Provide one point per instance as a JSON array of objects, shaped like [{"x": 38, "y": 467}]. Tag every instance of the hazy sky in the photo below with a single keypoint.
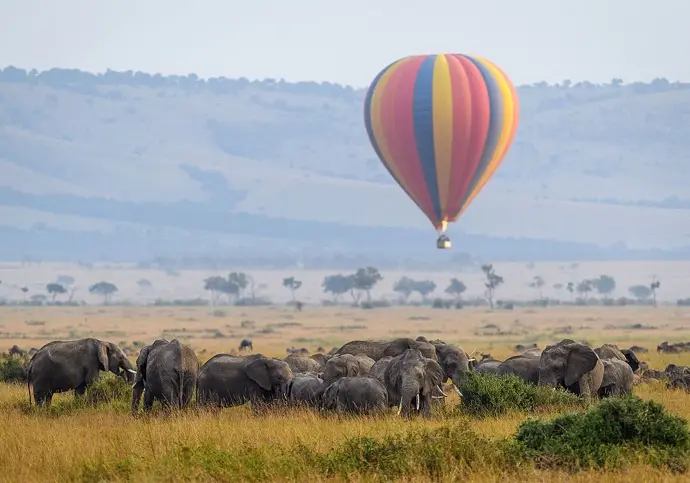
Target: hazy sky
[{"x": 349, "y": 41}]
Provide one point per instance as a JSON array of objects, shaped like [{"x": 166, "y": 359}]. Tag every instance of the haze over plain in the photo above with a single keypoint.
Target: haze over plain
[{"x": 134, "y": 166}]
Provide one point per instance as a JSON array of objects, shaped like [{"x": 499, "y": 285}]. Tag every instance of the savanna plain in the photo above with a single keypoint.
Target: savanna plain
[{"x": 97, "y": 439}]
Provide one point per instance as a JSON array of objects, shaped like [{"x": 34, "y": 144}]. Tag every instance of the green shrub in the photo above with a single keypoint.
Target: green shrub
[
  {"x": 493, "y": 395},
  {"x": 108, "y": 388},
  {"x": 611, "y": 432},
  {"x": 13, "y": 369}
]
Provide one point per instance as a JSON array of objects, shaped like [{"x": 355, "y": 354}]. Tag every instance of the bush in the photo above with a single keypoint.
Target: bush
[
  {"x": 606, "y": 434},
  {"x": 493, "y": 395},
  {"x": 108, "y": 388},
  {"x": 13, "y": 369}
]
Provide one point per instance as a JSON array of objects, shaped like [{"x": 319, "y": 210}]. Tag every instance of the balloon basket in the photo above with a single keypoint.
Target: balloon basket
[{"x": 443, "y": 242}]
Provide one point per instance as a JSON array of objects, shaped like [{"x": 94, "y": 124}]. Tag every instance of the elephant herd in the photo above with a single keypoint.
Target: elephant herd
[{"x": 360, "y": 377}]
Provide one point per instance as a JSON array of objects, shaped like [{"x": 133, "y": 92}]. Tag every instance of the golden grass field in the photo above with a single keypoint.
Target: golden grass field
[{"x": 107, "y": 443}]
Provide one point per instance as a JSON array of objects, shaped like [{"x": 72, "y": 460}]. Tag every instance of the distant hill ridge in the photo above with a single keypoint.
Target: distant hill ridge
[{"x": 133, "y": 152}]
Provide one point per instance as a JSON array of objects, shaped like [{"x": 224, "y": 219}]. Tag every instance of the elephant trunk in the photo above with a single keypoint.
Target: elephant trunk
[
  {"x": 409, "y": 393},
  {"x": 457, "y": 380}
]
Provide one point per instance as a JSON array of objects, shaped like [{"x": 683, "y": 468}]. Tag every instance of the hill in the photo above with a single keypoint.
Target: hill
[{"x": 129, "y": 165}]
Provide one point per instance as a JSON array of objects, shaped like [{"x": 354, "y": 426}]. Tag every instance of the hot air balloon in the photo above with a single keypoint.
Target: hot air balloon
[{"x": 441, "y": 125}]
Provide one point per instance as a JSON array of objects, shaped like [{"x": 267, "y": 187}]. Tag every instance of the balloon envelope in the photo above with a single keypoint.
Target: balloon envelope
[{"x": 441, "y": 125}]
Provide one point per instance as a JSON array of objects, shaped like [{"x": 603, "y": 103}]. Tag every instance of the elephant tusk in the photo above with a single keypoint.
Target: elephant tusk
[
  {"x": 457, "y": 390},
  {"x": 417, "y": 401},
  {"x": 132, "y": 371},
  {"x": 440, "y": 389},
  {"x": 472, "y": 360},
  {"x": 437, "y": 397},
  {"x": 400, "y": 406}
]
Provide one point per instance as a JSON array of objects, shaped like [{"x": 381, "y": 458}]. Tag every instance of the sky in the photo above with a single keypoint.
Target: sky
[{"x": 349, "y": 41}]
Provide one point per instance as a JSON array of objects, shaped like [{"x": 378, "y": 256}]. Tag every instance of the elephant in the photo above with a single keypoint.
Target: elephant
[
  {"x": 306, "y": 389},
  {"x": 345, "y": 365},
  {"x": 632, "y": 360},
  {"x": 226, "y": 380},
  {"x": 526, "y": 367},
  {"x": 379, "y": 368},
  {"x": 571, "y": 365},
  {"x": 618, "y": 378},
  {"x": 488, "y": 366},
  {"x": 454, "y": 361},
  {"x": 359, "y": 395},
  {"x": 166, "y": 371},
  {"x": 410, "y": 378},
  {"x": 320, "y": 358},
  {"x": 378, "y": 349},
  {"x": 61, "y": 366},
  {"x": 609, "y": 351},
  {"x": 302, "y": 364}
]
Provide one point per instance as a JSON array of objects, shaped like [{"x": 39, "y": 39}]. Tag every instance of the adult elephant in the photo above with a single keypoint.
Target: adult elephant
[
  {"x": 346, "y": 365},
  {"x": 454, "y": 361},
  {"x": 306, "y": 389},
  {"x": 526, "y": 367},
  {"x": 166, "y": 371},
  {"x": 359, "y": 395},
  {"x": 609, "y": 351},
  {"x": 226, "y": 380},
  {"x": 61, "y": 366},
  {"x": 320, "y": 359},
  {"x": 299, "y": 363},
  {"x": 572, "y": 365},
  {"x": 410, "y": 379},
  {"x": 378, "y": 349},
  {"x": 488, "y": 365},
  {"x": 618, "y": 378}
]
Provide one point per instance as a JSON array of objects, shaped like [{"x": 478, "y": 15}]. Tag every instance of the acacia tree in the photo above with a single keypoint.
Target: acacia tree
[
  {"x": 538, "y": 283},
  {"x": 405, "y": 286},
  {"x": 365, "y": 279},
  {"x": 456, "y": 288},
  {"x": 292, "y": 284},
  {"x": 640, "y": 292},
  {"x": 55, "y": 289},
  {"x": 493, "y": 280},
  {"x": 104, "y": 289},
  {"x": 337, "y": 285},
  {"x": 653, "y": 287}
]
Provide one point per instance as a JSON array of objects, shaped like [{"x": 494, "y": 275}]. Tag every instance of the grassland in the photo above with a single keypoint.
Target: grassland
[{"x": 104, "y": 443}]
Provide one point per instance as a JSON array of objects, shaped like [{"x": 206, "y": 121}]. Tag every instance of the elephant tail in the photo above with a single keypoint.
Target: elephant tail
[{"x": 28, "y": 383}]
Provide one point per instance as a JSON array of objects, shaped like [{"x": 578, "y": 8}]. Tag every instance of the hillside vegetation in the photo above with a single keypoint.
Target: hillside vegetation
[{"x": 171, "y": 159}]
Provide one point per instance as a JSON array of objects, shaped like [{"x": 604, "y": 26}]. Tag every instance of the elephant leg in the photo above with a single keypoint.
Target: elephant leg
[
  {"x": 425, "y": 406},
  {"x": 148, "y": 400},
  {"x": 79, "y": 391},
  {"x": 43, "y": 398}
]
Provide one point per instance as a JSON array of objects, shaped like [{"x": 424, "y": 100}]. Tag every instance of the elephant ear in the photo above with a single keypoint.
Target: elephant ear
[
  {"x": 609, "y": 378},
  {"x": 581, "y": 360},
  {"x": 632, "y": 359},
  {"x": 103, "y": 356},
  {"x": 258, "y": 372},
  {"x": 434, "y": 374}
]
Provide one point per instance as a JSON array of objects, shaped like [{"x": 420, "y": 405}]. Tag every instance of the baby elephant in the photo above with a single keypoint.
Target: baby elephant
[
  {"x": 359, "y": 395},
  {"x": 166, "y": 371}
]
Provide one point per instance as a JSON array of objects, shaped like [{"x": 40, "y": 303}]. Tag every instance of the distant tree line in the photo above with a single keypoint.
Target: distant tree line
[{"x": 355, "y": 288}]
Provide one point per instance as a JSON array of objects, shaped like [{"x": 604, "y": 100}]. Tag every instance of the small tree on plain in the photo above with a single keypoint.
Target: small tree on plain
[
  {"x": 584, "y": 288},
  {"x": 292, "y": 284},
  {"x": 640, "y": 292},
  {"x": 104, "y": 289},
  {"x": 605, "y": 285},
  {"x": 405, "y": 286},
  {"x": 366, "y": 278},
  {"x": 493, "y": 280},
  {"x": 55, "y": 289},
  {"x": 653, "y": 287},
  {"x": 456, "y": 288},
  {"x": 571, "y": 289},
  {"x": 337, "y": 285},
  {"x": 241, "y": 280},
  {"x": 538, "y": 283},
  {"x": 424, "y": 288}
]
